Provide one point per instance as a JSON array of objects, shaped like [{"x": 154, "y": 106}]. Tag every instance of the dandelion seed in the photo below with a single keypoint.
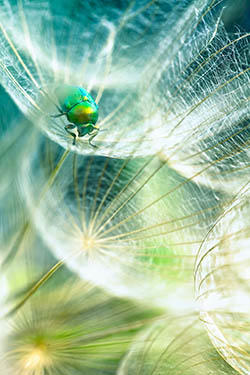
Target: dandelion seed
[{"x": 222, "y": 283}]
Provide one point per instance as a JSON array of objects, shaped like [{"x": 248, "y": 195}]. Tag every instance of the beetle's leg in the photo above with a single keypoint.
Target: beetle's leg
[
  {"x": 92, "y": 137},
  {"x": 73, "y": 131},
  {"x": 88, "y": 129}
]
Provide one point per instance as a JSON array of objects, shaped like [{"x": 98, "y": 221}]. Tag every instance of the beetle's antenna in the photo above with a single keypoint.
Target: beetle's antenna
[
  {"x": 59, "y": 115},
  {"x": 49, "y": 97}
]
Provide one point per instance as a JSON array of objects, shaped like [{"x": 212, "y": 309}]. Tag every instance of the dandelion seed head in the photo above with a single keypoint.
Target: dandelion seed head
[
  {"x": 70, "y": 328},
  {"x": 129, "y": 226},
  {"x": 172, "y": 88}
]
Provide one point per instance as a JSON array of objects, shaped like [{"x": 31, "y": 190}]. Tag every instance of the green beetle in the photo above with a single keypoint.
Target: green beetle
[{"x": 80, "y": 109}]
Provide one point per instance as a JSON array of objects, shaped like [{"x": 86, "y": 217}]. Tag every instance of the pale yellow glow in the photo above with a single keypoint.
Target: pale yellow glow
[
  {"x": 36, "y": 359},
  {"x": 89, "y": 243}
]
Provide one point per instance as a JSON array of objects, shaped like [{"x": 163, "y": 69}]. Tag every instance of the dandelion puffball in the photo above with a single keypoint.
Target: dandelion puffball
[{"x": 131, "y": 226}]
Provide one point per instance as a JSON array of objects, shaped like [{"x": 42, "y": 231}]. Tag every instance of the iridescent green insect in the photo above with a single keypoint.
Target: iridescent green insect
[{"x": 80, "y": 109}]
